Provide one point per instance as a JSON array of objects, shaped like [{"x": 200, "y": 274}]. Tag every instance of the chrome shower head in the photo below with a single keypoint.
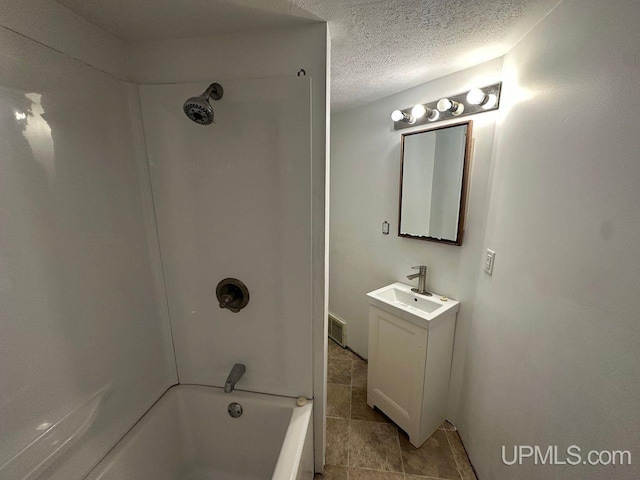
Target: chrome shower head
[{"x": 198, "y": 109}]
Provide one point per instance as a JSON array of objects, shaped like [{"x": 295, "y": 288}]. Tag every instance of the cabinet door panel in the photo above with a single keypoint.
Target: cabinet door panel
[{"x": 397, "y": 357}]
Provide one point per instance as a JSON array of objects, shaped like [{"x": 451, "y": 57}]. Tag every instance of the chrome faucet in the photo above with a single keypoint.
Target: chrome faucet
[
  {"x": 235, "y": 374},
  {"x": 422, "y": 280}
]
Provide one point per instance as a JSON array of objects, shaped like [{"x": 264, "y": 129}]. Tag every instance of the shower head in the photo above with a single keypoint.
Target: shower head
[{"x": 198, "y": 109}]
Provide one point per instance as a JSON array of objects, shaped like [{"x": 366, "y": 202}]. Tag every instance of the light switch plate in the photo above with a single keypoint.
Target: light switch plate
[{"x": 489, "y": 260}]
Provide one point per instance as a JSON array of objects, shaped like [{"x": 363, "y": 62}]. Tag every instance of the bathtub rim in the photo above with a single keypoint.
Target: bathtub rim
[{"x": 291, "y": 452}]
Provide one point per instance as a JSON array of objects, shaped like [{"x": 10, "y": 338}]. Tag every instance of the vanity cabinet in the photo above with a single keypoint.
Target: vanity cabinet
[{"x": 409, "y": 368}]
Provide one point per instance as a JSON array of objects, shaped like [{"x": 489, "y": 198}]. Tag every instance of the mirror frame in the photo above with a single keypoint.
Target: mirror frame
[{"x": 465, "y": 180}]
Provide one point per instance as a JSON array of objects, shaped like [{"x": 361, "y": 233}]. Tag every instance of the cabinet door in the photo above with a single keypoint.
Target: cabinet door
[{"x": 396, "y": 366}]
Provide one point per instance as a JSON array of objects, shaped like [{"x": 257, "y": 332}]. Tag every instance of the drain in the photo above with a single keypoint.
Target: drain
[{"x": 234, "y": 409}]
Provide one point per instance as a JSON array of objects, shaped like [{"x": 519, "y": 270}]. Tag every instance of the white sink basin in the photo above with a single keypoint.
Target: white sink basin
[{"x": 398, "y": 299}]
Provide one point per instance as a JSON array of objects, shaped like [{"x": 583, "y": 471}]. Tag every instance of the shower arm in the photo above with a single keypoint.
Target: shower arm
[{"x": 213, "y": 91}]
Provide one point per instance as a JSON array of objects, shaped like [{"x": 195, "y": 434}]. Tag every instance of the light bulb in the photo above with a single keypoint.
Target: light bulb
[
  {"x": 491, "y": 101},
  {"x": 418, "y": 111},
  {"x": 444, "y": 105},
  {"x": 397, "y": 115},
  {"x": 400, "y": 116},
  {"x": 433, "y": 116},
  {"x": 476, "y": 97}
]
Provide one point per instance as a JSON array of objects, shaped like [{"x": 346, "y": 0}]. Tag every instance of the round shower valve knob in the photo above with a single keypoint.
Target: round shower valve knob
[{"x": 232, "y": 294}]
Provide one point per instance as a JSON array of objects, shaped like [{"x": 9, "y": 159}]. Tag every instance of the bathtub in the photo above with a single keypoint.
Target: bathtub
[{"x": 189, "y": 435}]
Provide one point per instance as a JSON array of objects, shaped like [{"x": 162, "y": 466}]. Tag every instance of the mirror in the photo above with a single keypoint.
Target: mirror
[{"x": 433, "y": 177}]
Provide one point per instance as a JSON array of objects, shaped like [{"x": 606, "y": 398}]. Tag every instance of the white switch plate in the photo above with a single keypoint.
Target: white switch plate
[{"x": 489, "y": 259}]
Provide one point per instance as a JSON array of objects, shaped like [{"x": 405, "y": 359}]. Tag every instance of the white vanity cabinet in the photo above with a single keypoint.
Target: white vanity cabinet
[{"x": 410, "y": 353}]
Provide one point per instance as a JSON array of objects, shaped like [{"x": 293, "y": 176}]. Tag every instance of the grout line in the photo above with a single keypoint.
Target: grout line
[
  {"x": 351, "y": 391},
  {"x": 400, "y": 450},
  {"x": 350, "y": 408},
  {"x": 384, "y": 471},
  {"x": 349, "y": 424},
  {"x": 349, "y": 444},
  {"x": 455, "y": 459},
  {"x": 428, "y": 478},
  {"x": 397, "y": 473},
  {"x": 466, "y": 456}
]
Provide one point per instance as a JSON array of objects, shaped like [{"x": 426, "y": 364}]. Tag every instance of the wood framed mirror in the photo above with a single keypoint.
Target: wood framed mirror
[{"x": 434, "y": 176}]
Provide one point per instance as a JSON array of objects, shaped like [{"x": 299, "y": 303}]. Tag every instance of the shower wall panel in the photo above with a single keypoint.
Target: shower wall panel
[
  {"x": 85, "y": 345},
  {"x": 233, "y": 199}
]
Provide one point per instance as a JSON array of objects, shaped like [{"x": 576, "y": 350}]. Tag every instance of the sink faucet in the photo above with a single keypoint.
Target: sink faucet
[
  {"x": 422, "y": 280},
  {"x": 234, "y": 375}
]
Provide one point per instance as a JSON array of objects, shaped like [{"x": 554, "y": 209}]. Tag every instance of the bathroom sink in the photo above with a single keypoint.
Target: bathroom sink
[{"x": 398, "y": 299}]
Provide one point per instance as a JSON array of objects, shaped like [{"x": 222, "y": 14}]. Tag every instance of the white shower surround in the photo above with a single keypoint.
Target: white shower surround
[{"x": 233, "y": 199}]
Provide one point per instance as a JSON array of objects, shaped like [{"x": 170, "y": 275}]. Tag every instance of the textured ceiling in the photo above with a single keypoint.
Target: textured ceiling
[{"x": 378, "y": 47}]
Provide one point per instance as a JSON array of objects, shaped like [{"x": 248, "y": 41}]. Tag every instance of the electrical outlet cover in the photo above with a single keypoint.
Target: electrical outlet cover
[{"x": 489, "y": 260}]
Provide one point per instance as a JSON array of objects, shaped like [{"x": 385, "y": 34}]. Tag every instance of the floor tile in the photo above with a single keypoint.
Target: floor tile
[
  {"x": 374, "y": 446},
  {"x": 335, "y": 472},
  {"x": 433, "y": 459},
  {"x": 359, "y": 375},
  {"x": 337, "y": 452},
  {"x": 359, "y": 474},
  {"x": 338, "y": 400},
  {"x": 339, "y": 371},
  {"x": 419, "y": 477},
  {"x": 447, "y": 426},
  {"x": 460, "y": 455},
  {"x": 361, "y": 411},
  {"x": 337, "y": 352}
]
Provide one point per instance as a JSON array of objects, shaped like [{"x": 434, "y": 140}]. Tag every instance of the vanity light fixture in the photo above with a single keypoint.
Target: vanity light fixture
[
  {"x": 400, "y": 116},
  {"x": 471, "y": 102}
]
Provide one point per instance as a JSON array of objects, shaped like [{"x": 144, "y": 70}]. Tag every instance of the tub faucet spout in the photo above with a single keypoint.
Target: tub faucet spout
[{"x": 234, "y": 375}]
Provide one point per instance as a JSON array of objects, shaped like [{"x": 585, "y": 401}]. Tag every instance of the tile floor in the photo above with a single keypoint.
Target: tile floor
[{"x": 363, "y": 444}]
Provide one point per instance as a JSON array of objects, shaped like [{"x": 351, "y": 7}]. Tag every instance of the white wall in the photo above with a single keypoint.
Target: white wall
[
  {"x": 553, "y": 355},
  {"x": 364, "y": 192},
  {"x": 254, "y": 55},
  {"x": 84, "y": 337}
]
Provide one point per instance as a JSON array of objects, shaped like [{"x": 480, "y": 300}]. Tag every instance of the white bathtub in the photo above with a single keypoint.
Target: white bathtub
[{"x": 189, "y": 435}]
